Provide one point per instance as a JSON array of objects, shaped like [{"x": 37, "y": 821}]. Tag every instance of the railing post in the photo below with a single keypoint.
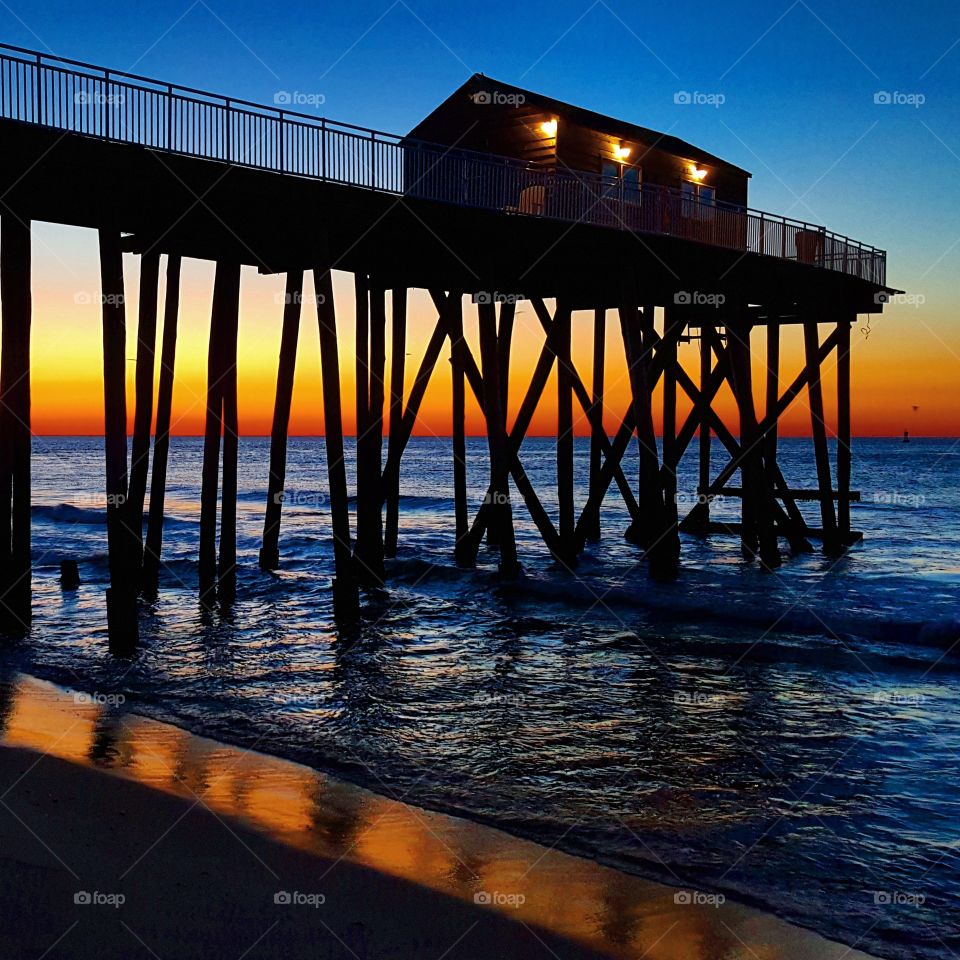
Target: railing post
[
  {"x": 38, "y": 108},
  {"x": 373, "y": 161},
  {"x": 106, "y": 93},
  {"x": 226, "y": 121},
  {"x": 281, "y": 150},
  {"x": 323, "y": 149},
  {"x": 169, "y": 116}
]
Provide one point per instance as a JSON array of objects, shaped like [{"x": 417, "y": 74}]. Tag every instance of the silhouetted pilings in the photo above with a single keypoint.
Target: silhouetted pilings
[
  {"x": 769, "y": 508},
  {"x": 15, "y": 295},
  {"x": 122, "y": 538},
  {"x": 286, "y": 368},
  {"x": 398, "y": 358},
  {"x": 143, "y": 409},
  {"x": 221, "y": 418},
  {"x": 346, "y": 598},
  {"x": 161, "y": 441}
]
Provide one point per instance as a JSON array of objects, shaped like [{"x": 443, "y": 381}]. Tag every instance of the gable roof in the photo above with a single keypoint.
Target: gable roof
[{"x": 581, "y": 116}]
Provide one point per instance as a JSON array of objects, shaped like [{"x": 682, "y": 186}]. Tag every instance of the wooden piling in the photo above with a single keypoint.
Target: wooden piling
[
  {"x": 121, "y": 595},
  {"x": 398, "y": 354},
  {"x": 227, "y": 560},
  {"x": 702, "y": 507},
  {"x": 505, "y": 325},
  {"x": 565, "y": 452},
  {"x": 592, "y": 530},
  {"x": 378, "y": 360},
  {"x": 811, "y": 339},
  {"x": 346, "y": 598},
  {"x": 143, "y": 394},
  {"x": 458, "y": 413},
  {"x": 757, "y": 531},
  {"x": 653, "y": 531},
  {"x": 669, "y": 429},
  {"x": 15, "y": 437},
  {"x": 500, "y": 513},
  {"x": 226, "y": 289},
  {"x": 368, "y": 547},
  {"x": 161, "y": 437},
  {"x": 844, "y": 451},
  {"x": 772, "y": 389},
  {"x": 286, "y": 368}
]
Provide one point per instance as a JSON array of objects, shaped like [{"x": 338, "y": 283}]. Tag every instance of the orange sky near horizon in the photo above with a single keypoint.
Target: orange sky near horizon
[{"x": 909, "y": 359}]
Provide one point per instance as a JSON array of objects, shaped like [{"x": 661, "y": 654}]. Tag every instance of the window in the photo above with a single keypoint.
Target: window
[
  {"x": 698, "y": 200},
  {"x": 617, "y": 178}
]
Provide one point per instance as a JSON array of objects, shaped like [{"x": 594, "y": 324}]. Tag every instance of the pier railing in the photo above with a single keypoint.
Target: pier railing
[{"x": 79, "y": 98}]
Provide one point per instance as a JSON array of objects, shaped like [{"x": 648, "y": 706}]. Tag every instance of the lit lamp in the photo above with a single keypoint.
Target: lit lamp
[
  {"x": 697, "y": 173},
  {"x": 621, "y": 153},
  {"x": 549, "y": 127}
]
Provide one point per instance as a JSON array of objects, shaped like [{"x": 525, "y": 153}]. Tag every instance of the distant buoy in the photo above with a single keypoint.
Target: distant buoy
[{"x": 906, "y": 436}]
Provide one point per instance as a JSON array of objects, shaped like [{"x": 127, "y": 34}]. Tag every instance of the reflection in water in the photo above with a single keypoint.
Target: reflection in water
[{"x": 621, "y": 915}]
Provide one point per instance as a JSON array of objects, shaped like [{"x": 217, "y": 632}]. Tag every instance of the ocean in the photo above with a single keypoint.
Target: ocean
[{"x": 790, "y": 739}]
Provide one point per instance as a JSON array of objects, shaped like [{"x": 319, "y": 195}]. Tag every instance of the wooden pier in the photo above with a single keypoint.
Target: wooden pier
[{"x": 163, "y": 173}]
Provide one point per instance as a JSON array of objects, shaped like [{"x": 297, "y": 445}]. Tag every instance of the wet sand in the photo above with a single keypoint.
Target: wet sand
[{"x": 124, "y": 837}]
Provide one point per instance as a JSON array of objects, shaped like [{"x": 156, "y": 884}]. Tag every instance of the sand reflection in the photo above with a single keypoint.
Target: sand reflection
[{"x": 613, "y": 912}]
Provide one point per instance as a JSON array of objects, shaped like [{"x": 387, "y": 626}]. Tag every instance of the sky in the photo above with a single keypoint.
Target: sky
[{"x": 793, "y": 97}]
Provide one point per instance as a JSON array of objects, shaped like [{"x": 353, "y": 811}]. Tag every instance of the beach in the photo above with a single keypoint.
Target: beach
[{"x": 121, "y": 836}]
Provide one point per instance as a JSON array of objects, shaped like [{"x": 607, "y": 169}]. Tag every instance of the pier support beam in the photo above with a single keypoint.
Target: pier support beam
[
  {"x": 811, "y": 339},
  {"x": 346, "y": 598},
  {"x": 121, "y": 594},
  {"x": 757, "y": 532},
  {"x": 500, "y": 513},
  {"x": 370, "y": 363},
  {"x": 161, "y": 439},
  {"x": 671, "y": 454},
  {"x": 221, "y": 417},
  {"x": 286, "y": 368},
  {"x": 701, "y": 517},
  {"x": 15, "y": 295},
  {"x": 563, "y": 320},
  {"x": 653, "y": 532},
  {"x": 507, "y": 313},
  {"x": 844, "y": 451},
  {"x": 398, "y": 355},
  {"x": 143, "y": 410},
  {"x": 592, "y": 527},
  {"x": 461, "y": 514},
  {"x": 227, "y": 560}
]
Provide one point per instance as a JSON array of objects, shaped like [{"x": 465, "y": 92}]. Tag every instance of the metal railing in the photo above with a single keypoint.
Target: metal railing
[{"x": 91, "y": 101}]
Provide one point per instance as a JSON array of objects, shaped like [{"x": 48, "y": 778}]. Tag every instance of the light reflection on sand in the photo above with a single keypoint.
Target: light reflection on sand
[{"x": 621, "y": 915}]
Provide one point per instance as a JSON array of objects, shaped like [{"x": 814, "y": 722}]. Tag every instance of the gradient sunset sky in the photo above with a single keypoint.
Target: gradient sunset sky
[{"x": 799, "y": 82}]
